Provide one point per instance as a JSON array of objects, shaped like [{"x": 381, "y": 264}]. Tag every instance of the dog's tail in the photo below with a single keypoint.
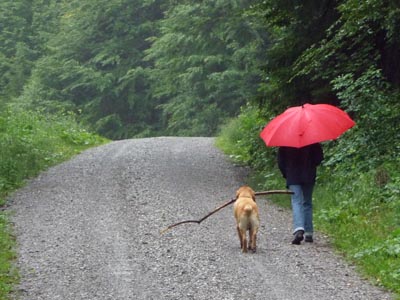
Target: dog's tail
[{"x": 248, "y": 209}]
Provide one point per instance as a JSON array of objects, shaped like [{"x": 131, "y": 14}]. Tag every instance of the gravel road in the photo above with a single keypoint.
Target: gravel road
[{"x": 90, "y": 229}]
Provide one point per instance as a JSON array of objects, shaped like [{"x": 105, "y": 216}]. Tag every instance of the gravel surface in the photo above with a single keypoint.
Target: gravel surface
[{"x": 90, "y": 229}]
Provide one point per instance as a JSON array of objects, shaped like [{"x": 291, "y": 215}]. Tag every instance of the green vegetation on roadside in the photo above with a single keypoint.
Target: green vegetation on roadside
[
  {"x": 358, "y": 207},
  {"x": 8, "y": 272},
  {"x": 362, "y": 217},
  {"x": 31, "y": 142}
]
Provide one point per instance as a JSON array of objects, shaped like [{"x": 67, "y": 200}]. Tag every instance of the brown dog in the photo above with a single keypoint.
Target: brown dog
[{"x": 247, "y": 218}]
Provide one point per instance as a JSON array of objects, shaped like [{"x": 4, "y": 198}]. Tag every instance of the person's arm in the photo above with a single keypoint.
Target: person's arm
[
  {"x": 318, "y": 154},
  {"x": 281, "y": 162}
]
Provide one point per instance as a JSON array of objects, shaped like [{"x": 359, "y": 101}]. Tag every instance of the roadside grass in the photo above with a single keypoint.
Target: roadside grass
[
  {"x": 363, "y": 221},
  {"x": 8, "y": 273},
  {"x": 30, "y": 143},
  {"x": 358, "y": 211}
]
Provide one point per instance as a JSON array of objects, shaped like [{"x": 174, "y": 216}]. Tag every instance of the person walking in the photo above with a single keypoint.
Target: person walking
[{"x": 299, "y": 167}]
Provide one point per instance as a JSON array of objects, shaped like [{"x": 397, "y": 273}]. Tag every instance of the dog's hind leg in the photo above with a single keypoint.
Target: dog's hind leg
[
  {"x": 240, "y": 237},
  {"x": 250, "y": 240},
  {"x": 243, "y": 240},
  {"x": 253, "y": 240}
]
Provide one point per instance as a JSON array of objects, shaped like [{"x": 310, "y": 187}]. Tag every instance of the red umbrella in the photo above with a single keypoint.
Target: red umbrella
[{"x": 300, "y": 126}]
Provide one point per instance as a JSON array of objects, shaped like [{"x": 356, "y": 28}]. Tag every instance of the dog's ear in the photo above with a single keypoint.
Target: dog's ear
[
  {"x": 239, "y": 191},
  {"x": 253, "y": 195}
]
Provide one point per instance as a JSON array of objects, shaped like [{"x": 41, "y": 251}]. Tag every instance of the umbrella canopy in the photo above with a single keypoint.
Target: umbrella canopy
[{"x": 304, "y": 125}]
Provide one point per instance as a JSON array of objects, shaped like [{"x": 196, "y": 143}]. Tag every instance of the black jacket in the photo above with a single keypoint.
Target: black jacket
[{"x": 299, "y": 165}]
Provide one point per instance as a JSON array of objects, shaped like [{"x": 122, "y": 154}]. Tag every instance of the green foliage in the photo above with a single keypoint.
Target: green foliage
[
  {"x": 292, "y": 28},
  {"x": 134, "y": 67},
  {"x": 8, "y": 272},
  {"x": 31, "y": 142},
  {"x": 371, "y": 100},
  {"x": 238, "y": 135},
  {"x": 95, "y": 65},
  {"x": 205, "y": 64},
  {"x": 14, "y": 52},
  {"x": 25, "y": 27},
  {"x": 362, "y": 37},
  {"x": 239, "y": 139},
  {"x": 362, "y": 219}
]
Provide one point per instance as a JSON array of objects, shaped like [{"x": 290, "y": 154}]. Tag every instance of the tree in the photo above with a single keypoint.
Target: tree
[
  {"x": 206, "y": 63},
  {"x": 96, "y": 64},
  {"x": 15, "y": 55},
  {"x": 293, "y": 27},
  {"x": 25, "y": 28}
]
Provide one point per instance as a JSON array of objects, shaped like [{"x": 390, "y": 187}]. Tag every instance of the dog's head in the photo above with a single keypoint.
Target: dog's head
[{"x": 245, "y": 191}]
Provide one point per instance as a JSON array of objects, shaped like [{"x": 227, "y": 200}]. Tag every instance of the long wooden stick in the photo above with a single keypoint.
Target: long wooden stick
[{"x": 222, "y": 206}]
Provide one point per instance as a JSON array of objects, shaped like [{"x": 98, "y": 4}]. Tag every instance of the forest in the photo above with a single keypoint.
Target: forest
[{"x": 129, "y": 69}]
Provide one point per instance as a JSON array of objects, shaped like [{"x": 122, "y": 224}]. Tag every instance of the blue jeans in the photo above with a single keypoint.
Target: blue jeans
[{"x": 302, "y": 208}]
